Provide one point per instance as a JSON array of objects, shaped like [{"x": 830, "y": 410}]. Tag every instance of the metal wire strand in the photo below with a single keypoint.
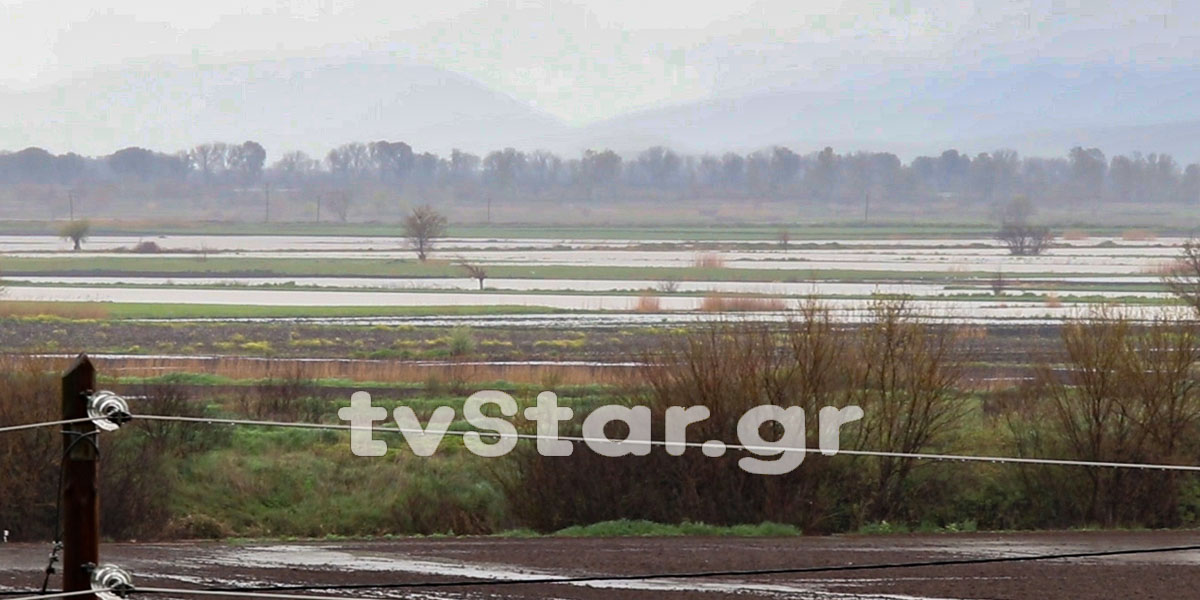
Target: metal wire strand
[
  {"x": 759, "y": 450},
  {"x": 9, "y": 428}
]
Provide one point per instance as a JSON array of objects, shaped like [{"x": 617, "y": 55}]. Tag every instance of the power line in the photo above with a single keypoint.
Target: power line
[
  {"x": 9, "y": 428},
  {"x": 235, "y": 594},
  {"x": 250, "y": 591},
  {"x": 761, "y": 450},
  {"x": 56, "y": 595}
]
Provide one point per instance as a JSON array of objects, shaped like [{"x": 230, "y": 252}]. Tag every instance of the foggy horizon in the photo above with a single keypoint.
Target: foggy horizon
[{"x": 616, "y": 74}]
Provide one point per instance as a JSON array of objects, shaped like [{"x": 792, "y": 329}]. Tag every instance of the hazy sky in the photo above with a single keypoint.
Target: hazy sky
[{"x": 564, "y": 57}]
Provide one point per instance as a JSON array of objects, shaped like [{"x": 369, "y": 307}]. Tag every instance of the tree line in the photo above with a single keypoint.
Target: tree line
[{"x": 658, "y": 172}]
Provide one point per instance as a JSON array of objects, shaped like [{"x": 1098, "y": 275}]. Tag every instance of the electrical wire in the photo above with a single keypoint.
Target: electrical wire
[
  {"x": 9, "y": 428},
  {"x": 760, "y": 450},
  {"x": 238, "y": 594},
  {"x": 57, "y": 595},
  {"x": 250, "y": 591}
]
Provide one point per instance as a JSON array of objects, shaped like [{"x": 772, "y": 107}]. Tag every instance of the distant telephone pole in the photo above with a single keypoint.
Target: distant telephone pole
[
  {"x": 267, "y": 202},
  {"x": 867, "y": 208},
  {"x": 71, "y": 203}
]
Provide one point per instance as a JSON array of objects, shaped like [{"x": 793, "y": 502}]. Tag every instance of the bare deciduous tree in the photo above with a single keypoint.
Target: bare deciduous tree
[
  {"x": 475, "y": 272},
  {"x": 1123, "y": 390},
  {"x": 1183, "y": 277},
  {"x": 905, "y": 378},
  {"x": 1025, "y": 240},
  {"x": 422, "y": 226},
  {"x": 1017, "y": 233}
]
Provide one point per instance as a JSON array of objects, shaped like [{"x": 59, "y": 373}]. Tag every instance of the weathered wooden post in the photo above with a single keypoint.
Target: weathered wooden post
[{"x": 80, "y": 495}]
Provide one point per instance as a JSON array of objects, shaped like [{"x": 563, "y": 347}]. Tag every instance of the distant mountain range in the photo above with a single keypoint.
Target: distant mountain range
[{"x": 1036, "y": 109}]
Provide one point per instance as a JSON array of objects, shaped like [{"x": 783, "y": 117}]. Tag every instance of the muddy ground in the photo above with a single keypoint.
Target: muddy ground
[
  {"x": 1015, "y": 345},
  {"x": 183, "y": 565}
]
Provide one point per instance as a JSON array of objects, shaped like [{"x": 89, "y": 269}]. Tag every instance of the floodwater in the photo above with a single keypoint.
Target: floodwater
[
  {"x": 794, "y": 289},
  {"x": 281, "y": 243},
  {"x": 419, "y": 562},
  {"x": 1095, "y": 260},
  {"x": 983, "y": 310},
  {"x": 1137, "y": 261}
]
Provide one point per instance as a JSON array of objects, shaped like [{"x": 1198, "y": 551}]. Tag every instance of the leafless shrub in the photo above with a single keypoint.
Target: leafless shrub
[
  {"x": 287, "y": 393},
  {"x": 897, "y": 366},
  {"x": 1128, "y": 394},
  {"x": 134, "y": 463},
  {"x": 1183, "y": 276},
  {"x": 668, "y": 286},
  {"x": 146, "y": 247},
  {"x": 28, "y": 459},
  {"x": 904, "y": 373},
  {"x": 1023, "y": 239}
]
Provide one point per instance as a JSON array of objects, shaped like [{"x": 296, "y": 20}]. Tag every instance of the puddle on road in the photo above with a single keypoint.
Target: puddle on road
[{"x": 336, "y": 559}]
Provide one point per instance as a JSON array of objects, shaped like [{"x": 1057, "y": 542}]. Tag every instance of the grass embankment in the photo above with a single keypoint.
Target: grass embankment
[
  {"x": 138, "y": 310},
  {"x": 265, "y": 482}
]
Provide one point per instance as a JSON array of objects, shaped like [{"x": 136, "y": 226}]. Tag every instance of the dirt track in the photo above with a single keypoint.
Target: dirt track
[{"x": 1172, "y": 575}]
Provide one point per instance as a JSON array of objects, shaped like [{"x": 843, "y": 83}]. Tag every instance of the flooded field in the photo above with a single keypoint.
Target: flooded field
[
  {"x": 479, "y": 563},
  {"x": 950, "y": 278},
  {"x": 963, "y": 310}
]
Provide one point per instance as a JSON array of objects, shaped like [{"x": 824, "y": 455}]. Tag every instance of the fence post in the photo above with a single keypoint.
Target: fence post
[{"x": 80, "y": 495}]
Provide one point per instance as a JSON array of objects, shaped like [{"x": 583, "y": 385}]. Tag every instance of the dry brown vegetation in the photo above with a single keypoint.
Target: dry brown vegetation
[
  {"x": 741, "y": 303},
  {"x": 648, "y": 303},
  {"x": 135, "y": 472},
  {"x": 1127, "y": 393},
  {"x": 708, "y": 260},
  {"x": 901, "y": 370},
  {"x": 1138, "y": 235}
]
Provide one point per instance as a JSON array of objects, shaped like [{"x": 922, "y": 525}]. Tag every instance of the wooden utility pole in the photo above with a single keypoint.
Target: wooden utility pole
[
  {"x": 80, "y": 495},
  {"x": 267, "y": 202}
]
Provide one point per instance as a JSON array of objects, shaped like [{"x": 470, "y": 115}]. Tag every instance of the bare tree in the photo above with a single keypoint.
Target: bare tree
[
  {"x": 76, "y": 231},
  {"x": 422, "y": 226},
  {"x": 339, "y": 203},
  {"x": 1025, "y": 240},
  {"x": 1017, "y": 233},
  {"x": 1183, "y": 277},
  {"x": 475, "y": 271},
  {"x": 785, "y": 238},
  {"x": 998, "y": 283},
  {"x": 905, "y": 377},
  {"x": 1122, "y": 390}
]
